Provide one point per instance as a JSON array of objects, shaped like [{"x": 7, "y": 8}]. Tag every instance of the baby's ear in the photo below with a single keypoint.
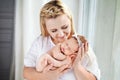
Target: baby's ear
[
  {"x": 73, "y": 57},
  {"x": 82, "y": 38}
]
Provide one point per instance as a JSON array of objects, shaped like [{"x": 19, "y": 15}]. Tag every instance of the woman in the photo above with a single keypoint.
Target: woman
[{"x": 56, "y": 26}]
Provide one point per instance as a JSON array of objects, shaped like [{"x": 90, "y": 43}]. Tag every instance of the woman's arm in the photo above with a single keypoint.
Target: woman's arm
[
  {"x": 80, "y": 72},
  {"x": 30, "y": 73}
]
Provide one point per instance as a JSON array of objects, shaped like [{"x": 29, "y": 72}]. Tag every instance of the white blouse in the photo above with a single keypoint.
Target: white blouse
[{"x": 42, "y": 44}]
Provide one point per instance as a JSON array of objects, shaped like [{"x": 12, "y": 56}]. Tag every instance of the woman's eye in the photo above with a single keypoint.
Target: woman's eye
[
  {"x": 64, "y": 27},
  {"x": 54, "y": 30}
]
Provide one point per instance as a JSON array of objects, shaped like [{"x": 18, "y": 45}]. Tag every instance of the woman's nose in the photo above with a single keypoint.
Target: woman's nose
[{"x": 60, "y": 33}]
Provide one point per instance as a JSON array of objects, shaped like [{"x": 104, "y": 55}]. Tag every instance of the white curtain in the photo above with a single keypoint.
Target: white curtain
[
  {"x": 86, "y": 20},
  {"x": 26, "y": 30},
  {"x": 99, "y": 21},
  {"x": 116, "y": 43}
]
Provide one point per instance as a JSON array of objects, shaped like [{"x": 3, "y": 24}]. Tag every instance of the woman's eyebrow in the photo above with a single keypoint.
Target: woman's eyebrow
[
  {"x": 63, "y": 25},
  {"x": 53, "y": 29}
]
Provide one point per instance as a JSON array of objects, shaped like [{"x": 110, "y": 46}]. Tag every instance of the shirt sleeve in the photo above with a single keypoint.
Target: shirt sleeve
[
  {"x": 31, "y": 56},
  {"x": 91, "y": 64}
]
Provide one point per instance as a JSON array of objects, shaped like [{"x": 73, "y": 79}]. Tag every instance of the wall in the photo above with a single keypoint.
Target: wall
[{"x": 6, "y": 38}]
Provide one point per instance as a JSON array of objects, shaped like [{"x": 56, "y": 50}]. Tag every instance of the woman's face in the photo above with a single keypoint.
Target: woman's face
[{"x": 59, "y": 28}]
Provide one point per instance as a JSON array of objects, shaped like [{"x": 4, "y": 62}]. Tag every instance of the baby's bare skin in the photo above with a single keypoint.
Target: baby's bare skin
[
  {"x": 56, "y": 53},
  {"x": 54, "y": 57},
  {"x": 59, "y": 55}
]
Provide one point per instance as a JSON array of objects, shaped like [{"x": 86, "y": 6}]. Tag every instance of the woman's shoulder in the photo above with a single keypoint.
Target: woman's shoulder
[{"x": 39, "y": 40}]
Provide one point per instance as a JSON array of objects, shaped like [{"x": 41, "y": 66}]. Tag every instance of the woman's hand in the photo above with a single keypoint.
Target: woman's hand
[
  {"x": 55, "y": 74},
  {"x": 78, "y": 58},
  {"x": 82, "y": 51},
  {"x": 47, "y": 74},
  {"x": 84, "y": 42},
  {"x": 80, "y": 72}
]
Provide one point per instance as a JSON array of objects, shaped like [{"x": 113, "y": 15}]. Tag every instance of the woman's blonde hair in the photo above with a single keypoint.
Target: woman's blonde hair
[{"x": 54, "y": 9}]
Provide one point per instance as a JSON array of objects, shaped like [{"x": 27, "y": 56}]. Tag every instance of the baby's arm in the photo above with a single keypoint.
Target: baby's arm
[
  {"x": 46, "y": 59},
  {"x": 42, "y": 63}
]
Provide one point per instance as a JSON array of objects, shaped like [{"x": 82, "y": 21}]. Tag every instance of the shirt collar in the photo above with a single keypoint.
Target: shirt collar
[{"x": 51, "y": 42}]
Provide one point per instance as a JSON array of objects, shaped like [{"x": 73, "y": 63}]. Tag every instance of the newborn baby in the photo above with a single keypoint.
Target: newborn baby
[{"x": 59, "y": 55}]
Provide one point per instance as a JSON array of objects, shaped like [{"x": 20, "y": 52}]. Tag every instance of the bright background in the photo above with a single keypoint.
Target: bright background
[{"x": 97, "y": 20}]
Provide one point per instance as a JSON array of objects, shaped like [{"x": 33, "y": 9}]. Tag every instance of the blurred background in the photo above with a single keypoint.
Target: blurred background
[{"x": 97, "y": 20}]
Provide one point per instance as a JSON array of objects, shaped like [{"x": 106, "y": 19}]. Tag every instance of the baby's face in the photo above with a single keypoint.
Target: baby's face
[{"x": 69, "y": 46}]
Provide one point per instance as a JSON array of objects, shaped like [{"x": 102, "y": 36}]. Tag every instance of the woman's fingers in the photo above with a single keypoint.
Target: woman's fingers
[
  {"x": 86, "y": 46},
  {"x": 78, "y": 57},
  {"x": 83, "y": 40},
  {"x": 82, "y": 50},
  {"x": 63, "y": 69}
]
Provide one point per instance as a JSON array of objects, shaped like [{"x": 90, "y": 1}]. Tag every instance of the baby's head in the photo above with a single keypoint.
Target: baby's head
[{"x": 70, "y": 46}]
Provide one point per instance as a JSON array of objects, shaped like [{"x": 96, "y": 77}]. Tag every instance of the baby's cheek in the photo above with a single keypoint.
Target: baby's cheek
[
  {"x": 59, "y": 56},
  {"x": 67, "y": 52}
]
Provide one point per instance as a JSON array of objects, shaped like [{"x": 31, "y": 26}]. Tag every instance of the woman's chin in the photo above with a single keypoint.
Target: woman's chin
[{"x": 60, "y": 41}]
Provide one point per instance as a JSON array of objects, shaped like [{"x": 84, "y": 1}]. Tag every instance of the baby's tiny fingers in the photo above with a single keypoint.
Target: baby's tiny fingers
[{"x": 46, "y": 69}]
